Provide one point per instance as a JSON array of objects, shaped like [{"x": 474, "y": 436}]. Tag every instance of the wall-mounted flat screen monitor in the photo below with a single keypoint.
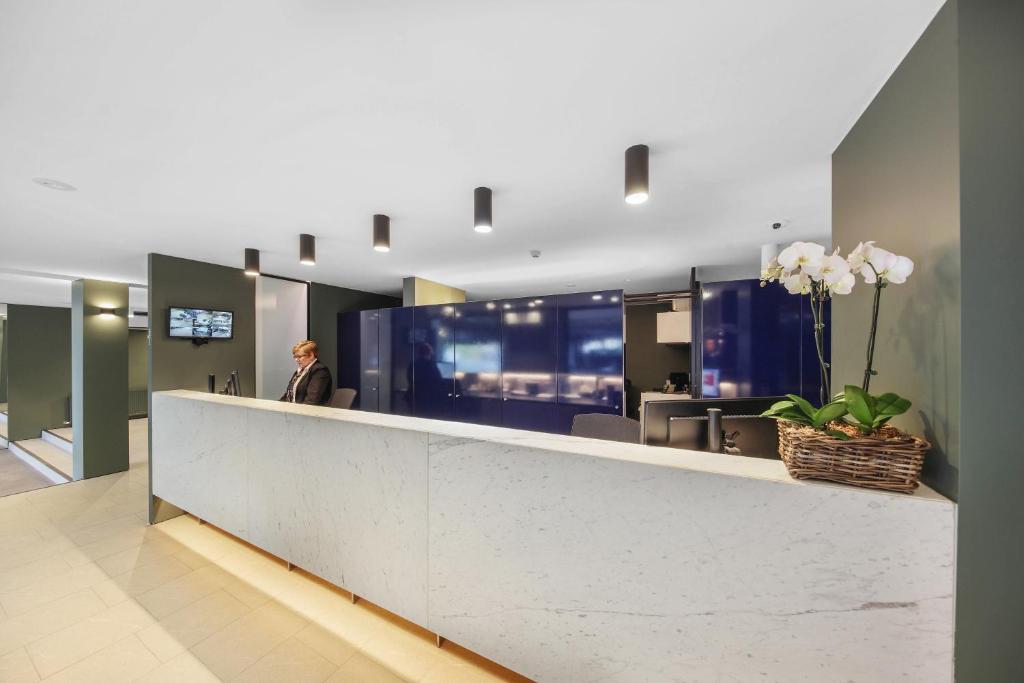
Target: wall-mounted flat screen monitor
[{"x": 200, "y": 323}]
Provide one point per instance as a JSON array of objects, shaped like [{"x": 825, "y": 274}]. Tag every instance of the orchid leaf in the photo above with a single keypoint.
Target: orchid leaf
[
  {"x": 827, "y": 413},
  {"x": 804, "y": 404},
  {"x": 891, "y": 405},
  {"x": 857, "y": 404}
]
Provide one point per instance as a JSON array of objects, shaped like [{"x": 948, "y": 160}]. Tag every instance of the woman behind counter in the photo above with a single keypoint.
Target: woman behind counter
[{"x": 311, "y": 383}]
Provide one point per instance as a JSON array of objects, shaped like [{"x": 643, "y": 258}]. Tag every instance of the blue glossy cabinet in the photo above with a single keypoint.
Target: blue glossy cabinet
[
  {"x": 396, "y": 353},
  {"x": 529, "y": 359},
  {"x": 531, "y": 363},
  {"x": 590, "y": 372},
  {"x": 433, "y": 365},
  {"x": 359, "y": 364},
  {"x": 478, "y": 363},
  {"x": 756, "y": 341}
]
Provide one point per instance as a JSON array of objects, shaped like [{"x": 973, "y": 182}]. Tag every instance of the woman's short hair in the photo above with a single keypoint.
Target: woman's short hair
[{"x": 306, "y": 346}]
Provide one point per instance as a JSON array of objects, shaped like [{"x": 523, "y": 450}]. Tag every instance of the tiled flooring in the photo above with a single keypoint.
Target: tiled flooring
[
  {"x": 89, "y": 592},
  {"x": 17, "y": 477}
]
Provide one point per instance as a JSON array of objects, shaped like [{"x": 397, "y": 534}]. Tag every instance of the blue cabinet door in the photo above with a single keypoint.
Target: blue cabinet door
[
  {"x": 478, "y": 363},
  {"x": 358, "y": 358},
  {"x": 434, "y": 361},
  {"x": 529, "y": 356},
  {"x": 590, "y": 351},
  {"x": 396, "y": 355},
  {"x": 756, "y": 341}
]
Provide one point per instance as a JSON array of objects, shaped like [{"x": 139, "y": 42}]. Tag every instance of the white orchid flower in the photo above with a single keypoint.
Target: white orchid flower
[
  {"x": 801, "y": 255},
  {"x": 858, "y": 258},
  {"x": 797, "y": 283},
  {"x": 829, "y": 269},
  {"x": 843, "y": 285},
  {"x": 887, "y": 266}
]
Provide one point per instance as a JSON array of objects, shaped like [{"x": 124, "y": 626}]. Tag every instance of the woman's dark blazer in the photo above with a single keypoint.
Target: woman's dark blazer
[{"x": 315, "y": 388}]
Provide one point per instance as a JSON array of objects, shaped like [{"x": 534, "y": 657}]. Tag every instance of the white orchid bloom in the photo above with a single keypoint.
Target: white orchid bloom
[
  {"x": 797, "y": 283},
  {"x": 843, "y": 285},
  {"x": 858, "y": 258},
  {"x": 829, "y": 269},
  {"x": 801, "y": 255},
  {"x": 887, "y": 266}
]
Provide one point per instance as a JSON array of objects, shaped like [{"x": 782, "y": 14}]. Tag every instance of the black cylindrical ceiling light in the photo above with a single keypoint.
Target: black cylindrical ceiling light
[
  {"x": 482, "y": 210},
  {"x": 252, "y": 262},
  {"x": 307, "y": 250},
  {"x": 381, "y": 232},
  {"x": 637, "y": 179}
]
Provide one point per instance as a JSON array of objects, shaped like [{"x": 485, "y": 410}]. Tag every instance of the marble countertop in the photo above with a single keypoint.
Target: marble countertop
[{"x": 699, "y": 461}]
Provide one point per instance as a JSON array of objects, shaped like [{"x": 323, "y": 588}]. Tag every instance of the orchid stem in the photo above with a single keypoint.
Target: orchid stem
[
  {"x": 818, "y": 313},
  {"x": 869, "y": 371}
]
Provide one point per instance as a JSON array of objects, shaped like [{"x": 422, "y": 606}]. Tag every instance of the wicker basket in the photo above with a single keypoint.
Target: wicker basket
[{"x": 889, "y": 460}]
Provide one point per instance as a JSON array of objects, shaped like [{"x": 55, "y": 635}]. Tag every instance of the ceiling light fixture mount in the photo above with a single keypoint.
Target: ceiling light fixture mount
[
  {"x": 307, "y": 250},
  {"x": 482, "y": 216},
  {"x": 381, "y": 233},
  {"x": 252, "y": 262},
  {"x": 637, "y": 174},
  {"x": 54, "y": 184}
]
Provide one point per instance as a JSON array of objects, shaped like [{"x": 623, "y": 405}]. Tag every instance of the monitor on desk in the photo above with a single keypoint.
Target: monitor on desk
[{"x": 683, "y": 424}]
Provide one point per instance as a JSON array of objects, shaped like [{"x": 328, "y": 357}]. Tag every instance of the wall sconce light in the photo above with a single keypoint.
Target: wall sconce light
[{"x": 107, "y": 312}]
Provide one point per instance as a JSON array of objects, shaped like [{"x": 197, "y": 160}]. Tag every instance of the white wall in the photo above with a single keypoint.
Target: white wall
[{"x": 281, "y": 322}]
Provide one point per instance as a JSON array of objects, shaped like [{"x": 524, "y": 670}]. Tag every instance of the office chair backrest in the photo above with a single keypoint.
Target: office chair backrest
[
  {"x": 343, "y": 398},
  {"x": 607, "y": 427}
]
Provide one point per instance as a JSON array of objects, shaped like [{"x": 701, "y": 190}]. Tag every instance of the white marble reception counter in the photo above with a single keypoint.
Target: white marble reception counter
[{"x": 570, "y": 559}]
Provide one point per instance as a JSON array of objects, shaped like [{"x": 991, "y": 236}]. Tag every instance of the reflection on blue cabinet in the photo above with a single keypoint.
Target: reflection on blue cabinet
[
  {"x": 395, "y": 341},
  {"x": 531, "y": 363},
  {"x": 433, "y": 367},
  {"x": 478, "y": 363},
  {"x": 529, "y": 357},
  {"x": 756, "y": 341}
]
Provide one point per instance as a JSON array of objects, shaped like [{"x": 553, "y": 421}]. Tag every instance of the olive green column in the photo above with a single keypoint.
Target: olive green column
[
  {"x": 38, "y": 369},
  {"x": 99, "y": 377}
]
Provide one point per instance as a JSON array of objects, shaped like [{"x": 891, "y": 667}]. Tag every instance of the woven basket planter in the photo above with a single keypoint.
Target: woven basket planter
[{"x": 890, "y": 459}]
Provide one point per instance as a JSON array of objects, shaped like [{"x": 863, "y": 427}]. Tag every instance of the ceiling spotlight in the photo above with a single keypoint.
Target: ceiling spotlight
[
  {"x": 482, "y": 210},
  {"x": 637, "y": 182},
  {"x": 54, "y": 184},
  {"x": 252, "y": 262},
  {"x": 381, "y": 233},
  {"x": 307, "y": 250}
]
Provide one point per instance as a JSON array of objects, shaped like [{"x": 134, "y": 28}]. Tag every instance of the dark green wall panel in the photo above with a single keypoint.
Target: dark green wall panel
[
  {"x": 138, "y": 361},
  {"x": 99, "y": 370},
  {"x": 39, "y": 373},
  {"x": 990, "y": 537}
]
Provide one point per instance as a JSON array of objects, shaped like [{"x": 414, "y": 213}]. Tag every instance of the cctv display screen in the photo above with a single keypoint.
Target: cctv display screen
[{"x": 199, "y": 323}]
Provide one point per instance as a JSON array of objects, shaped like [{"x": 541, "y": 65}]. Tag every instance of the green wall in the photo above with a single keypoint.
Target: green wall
[
  {"x": 935, "y": 169},
  {"x": 325, "y": 303},
  {"x": 39, "y": 373},
  {"x": 894, "y": 180},
  {"x": 138, "y": 361},
  {"x": 179, "y": 364},
  {"x": 3, "y": 360},
  {"x": 99, "y": 372},
  {"x": 990, "y": 535}
]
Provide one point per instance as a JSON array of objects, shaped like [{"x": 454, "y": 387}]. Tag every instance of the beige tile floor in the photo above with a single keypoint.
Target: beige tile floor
[{"x": 90, "y": 592}]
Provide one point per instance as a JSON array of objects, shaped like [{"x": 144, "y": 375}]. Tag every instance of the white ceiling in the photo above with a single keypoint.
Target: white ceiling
[{"x": 198, "y": 128}]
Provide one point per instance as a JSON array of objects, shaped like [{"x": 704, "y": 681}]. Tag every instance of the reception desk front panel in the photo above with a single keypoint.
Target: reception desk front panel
[{"x": 570, "y": 559}]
